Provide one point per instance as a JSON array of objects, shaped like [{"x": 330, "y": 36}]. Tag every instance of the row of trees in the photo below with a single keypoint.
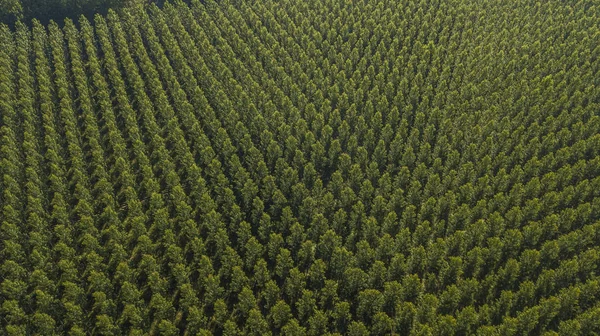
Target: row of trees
[{"x": 303, "y": 168}]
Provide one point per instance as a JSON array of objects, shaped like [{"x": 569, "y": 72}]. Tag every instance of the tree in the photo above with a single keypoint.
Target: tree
[
  {"x": 294, "y": 284},
  {"x": 246, "y": 302},
  {"x": 382, "y": 324},
  {"x": 370, "y": 302},
  {"x": 256, "y": 324},
  {"x": 318, "y": 323},
  {"x": 357, "y": 329},
  {"x": 355, "y": 280},
  {"x": 280, "y": 314},
  {"x": 293, "y": 328},
  {"x": 284, "y": 263}
]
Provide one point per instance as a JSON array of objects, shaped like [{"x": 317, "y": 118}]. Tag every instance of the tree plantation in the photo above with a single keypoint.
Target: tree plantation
[
  {"x": 289, "y": 167},
  {"x": 46, "y": 10}
]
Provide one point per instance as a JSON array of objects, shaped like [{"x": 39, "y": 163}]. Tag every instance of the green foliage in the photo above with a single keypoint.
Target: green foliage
[
  {"x": 300, "y": 168},
  {"x": 12, "y": 11}
]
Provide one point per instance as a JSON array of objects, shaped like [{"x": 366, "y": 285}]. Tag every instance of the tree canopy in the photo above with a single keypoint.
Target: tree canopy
[{"x": 363, "y": 167}]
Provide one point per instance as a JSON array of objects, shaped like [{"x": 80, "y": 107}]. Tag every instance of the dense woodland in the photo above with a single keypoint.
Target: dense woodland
[
  {"x": 43, "y": 11},
  {"x": 303, "y": 167}
]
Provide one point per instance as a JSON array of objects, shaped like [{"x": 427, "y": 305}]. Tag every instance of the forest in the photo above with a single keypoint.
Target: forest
[
  {"x": 44, "y": 11},
  {"x": 302, "y": 167}
]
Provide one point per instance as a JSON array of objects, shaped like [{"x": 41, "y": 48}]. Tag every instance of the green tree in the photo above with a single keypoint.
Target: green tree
[{"x": 280, "y": 314}]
